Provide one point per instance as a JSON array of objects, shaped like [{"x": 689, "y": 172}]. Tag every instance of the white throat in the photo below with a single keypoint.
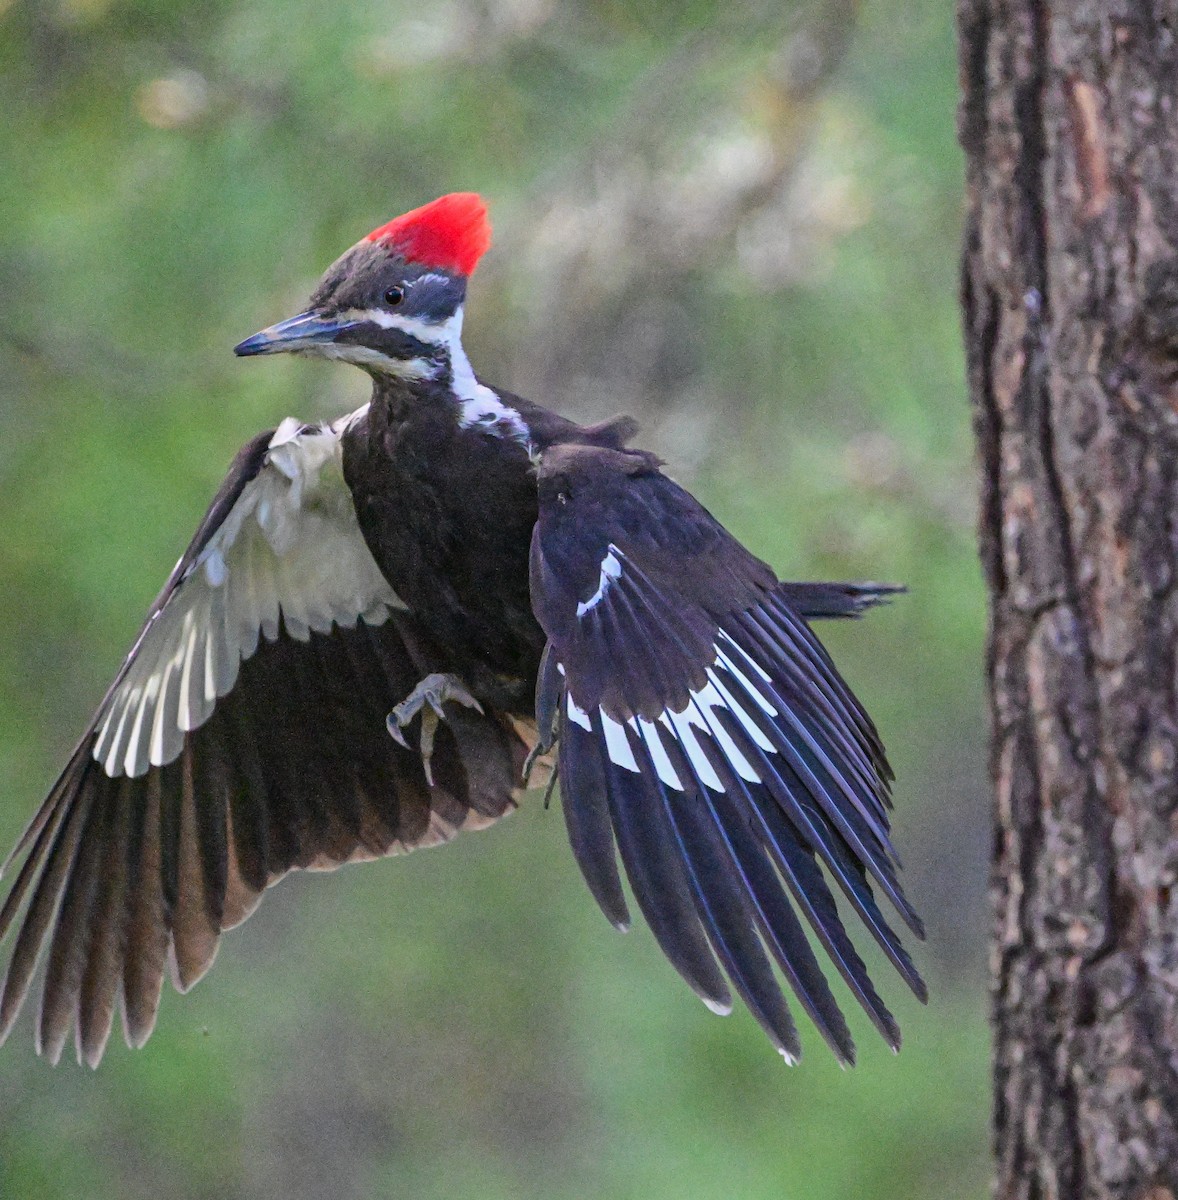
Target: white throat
[{"x": 480, "y": 405}]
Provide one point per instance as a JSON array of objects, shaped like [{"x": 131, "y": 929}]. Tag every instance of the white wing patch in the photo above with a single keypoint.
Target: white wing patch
[
  {"x": 726, "y": 682},
  {"x": 290, "y": 548},
  {"x": 611, "y": 569}
]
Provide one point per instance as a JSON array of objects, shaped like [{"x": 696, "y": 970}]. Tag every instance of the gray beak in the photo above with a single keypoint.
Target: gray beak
[{"x": 303, "y": 332}]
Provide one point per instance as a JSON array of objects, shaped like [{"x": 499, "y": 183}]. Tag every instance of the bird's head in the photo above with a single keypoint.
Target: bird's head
[{"x": 392, "y": 304}]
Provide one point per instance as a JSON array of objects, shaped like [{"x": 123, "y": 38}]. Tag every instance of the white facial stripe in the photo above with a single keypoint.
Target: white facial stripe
[
  {"x": 611, "y": 569},
  {"x": 424, "y": 331},
  {"x": 466, "y": 386},
  {"x": 366, "y": 356},
  {"x": 479, "y": 403}
]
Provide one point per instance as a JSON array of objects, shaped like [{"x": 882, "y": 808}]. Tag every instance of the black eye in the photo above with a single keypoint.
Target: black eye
[{"x": 394, "y": 296}]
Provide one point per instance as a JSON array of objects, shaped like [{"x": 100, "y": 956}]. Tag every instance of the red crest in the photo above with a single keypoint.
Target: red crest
[{"x": 451, "y": 233}]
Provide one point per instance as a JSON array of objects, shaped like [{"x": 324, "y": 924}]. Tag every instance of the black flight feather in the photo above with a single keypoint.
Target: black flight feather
[
  {"x": 131, "y": 864},
  {"x": 733, "y": 757}
]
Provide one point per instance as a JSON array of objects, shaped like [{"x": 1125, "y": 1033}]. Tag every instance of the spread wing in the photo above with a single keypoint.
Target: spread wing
[
  {"x": 243, "y": 737},
  {"x": 705, "y": 733}
]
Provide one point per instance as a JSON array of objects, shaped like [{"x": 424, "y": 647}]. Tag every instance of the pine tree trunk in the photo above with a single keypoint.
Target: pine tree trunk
[{"x": 1070, "y": 126}]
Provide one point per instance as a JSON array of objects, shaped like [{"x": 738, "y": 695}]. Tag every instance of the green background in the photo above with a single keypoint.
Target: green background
[{"x": 739, "y": 221}]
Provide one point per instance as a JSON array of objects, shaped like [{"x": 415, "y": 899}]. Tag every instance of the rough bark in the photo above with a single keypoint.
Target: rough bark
[{"x": 1069, "y": 122}]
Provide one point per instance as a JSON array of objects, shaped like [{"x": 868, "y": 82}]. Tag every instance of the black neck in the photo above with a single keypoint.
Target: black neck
[{"x": 402, "y": 399}]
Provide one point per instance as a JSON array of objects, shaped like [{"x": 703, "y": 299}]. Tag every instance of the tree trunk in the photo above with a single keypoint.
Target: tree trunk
[{"x": 1069, "y": 122}]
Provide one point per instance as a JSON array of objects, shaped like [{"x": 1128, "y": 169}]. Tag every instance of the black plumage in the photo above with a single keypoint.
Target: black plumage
[
  {"x": 375, "y": 569},
  {"x": 703, "y": 729},
  {"x": 292, "y": 768},
  {"x": 447, "y": 512}
]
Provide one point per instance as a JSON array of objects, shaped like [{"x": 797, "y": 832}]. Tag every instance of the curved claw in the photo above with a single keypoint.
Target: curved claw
[{"x": 427, "y": 700}]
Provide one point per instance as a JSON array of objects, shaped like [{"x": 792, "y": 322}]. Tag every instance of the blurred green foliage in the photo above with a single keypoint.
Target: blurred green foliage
[{"x": 463, "y": 1022}]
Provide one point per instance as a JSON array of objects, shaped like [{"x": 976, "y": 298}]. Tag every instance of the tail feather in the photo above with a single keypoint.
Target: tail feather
[{"x": 821, "y": 600}]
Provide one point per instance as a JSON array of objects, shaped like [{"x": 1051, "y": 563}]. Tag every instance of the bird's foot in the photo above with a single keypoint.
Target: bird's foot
[
  {"x": 426, "y": 700},
  {"x": 549, "y": 698},
  {"x": 542, "y": 747}
]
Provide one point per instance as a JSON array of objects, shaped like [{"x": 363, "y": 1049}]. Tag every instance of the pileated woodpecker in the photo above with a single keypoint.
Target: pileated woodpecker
[{"x": 456, "y": 567}]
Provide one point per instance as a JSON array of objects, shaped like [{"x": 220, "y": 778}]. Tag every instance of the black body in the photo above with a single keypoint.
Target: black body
[
  {"x": 340, "y": 569},
  {"x": 448, "y": 513}
]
